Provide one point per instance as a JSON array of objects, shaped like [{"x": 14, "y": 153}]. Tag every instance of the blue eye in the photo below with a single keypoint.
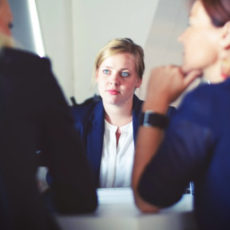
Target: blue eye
[
  {"x": 106, "y": 71},
  {"x": 125, "y": 74}
]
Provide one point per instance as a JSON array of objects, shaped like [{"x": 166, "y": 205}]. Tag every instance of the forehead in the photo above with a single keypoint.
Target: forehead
[
  {"x": 198, "y": 12},
  {"x": 196, "y": 9},
  {"x": 123, "y": 59}
]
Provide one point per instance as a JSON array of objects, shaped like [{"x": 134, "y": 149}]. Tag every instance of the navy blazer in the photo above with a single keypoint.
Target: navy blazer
[
  {"x": 196, "y": 147},
  {"x": 89, "y": 121}
]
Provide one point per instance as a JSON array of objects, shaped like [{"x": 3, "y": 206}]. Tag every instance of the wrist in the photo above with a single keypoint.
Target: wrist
[
  {"x": 150, "y": 118},
  {"x": 156, "y": 106}
]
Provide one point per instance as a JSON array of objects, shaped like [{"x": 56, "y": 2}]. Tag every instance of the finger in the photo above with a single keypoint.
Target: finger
[
  {"x": 173, "y": 66},
  {"x": 191, "y": 76}
]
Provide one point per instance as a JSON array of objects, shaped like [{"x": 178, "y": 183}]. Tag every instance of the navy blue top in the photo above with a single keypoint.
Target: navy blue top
[
  {"x": 196, "y": 147},
  {"x": 89, "y": 121}
]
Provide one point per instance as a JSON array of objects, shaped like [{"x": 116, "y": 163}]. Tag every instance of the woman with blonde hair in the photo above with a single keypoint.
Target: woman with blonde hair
[{"x": 108, "y": 124}]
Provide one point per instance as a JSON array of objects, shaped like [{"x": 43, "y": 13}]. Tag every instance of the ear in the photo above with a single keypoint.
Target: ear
[
  {"x": 225, "y": 38},
  {"x": 224, "y": 53}
]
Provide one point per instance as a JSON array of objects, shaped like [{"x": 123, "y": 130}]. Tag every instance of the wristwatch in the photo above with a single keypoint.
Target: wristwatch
[{"x": 152, "y": 119}]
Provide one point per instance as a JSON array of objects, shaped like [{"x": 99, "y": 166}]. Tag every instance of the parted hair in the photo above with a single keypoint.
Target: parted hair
[
  {"x": 122, "y": 45},
  {"x": 6, "y": 41},
  {"x": 218, "y": 11}
]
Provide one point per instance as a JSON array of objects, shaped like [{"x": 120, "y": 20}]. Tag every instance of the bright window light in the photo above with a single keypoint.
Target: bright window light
[{"x": 36, "y": 30}]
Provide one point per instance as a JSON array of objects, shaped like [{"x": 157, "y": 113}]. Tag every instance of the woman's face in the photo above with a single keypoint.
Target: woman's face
[
  {"x": 200, "y": 40},
  {"x": 117, "y": 79}
]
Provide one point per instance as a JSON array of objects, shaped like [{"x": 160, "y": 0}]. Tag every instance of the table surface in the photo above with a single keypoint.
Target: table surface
[{"x": 117, "y": 211}]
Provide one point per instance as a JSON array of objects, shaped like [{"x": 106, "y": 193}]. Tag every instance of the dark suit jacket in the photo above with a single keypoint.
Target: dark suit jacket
[
  {"x": 89, "y": 121},
  {"x": 35, "y": 116}
]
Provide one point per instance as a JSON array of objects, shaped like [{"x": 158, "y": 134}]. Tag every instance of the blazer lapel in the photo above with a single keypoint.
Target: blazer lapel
[
  {"x": 95, "y": 139},
  {"x": 137, "y": 104}
]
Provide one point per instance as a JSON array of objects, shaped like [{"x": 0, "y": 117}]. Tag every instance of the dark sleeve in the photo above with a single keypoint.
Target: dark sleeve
[
  {"x": 33, "y": 112},
  {"x": 72, "y": 188},
  {"x": 20, "y": 199},
  {"x": 181, "y": 157}
]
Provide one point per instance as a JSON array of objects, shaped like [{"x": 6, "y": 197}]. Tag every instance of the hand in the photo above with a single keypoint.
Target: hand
[{"x": 167, "y": 83}]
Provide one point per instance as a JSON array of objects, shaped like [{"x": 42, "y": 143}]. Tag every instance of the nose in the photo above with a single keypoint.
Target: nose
[{"x": 114, "y": 79}]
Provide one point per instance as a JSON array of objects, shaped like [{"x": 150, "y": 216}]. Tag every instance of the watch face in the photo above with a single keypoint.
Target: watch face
[{"x": 152, "y": 119}]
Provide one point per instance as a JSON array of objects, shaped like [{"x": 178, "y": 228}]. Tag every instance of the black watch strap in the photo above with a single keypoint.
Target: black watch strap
[{"x": 150, "y": 118}]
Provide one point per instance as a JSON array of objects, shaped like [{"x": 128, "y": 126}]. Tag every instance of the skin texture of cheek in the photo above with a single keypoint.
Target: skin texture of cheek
[
  {"x": 200, "y": 57},
  {"x": 200, "y": 40},
  {"x": 100, "y": 89}
]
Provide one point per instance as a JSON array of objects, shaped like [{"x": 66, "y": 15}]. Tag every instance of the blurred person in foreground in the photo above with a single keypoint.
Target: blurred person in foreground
[
  {"x": 34, "y": 115},
  {"x": 195, "y": 145}
]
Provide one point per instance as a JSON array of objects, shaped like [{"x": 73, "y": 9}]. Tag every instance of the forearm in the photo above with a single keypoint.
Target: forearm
[
  {"x": 164, "y": 86},
  {"x": 148, "y": 141}
]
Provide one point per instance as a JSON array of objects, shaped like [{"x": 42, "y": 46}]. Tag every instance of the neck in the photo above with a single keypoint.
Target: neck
[
  {"x": 213, "y": 73},
  {"x": 118, "y": 115}
]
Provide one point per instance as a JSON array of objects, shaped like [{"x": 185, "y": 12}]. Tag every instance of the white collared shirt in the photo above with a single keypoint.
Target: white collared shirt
[{"x": 117, "y": 160}]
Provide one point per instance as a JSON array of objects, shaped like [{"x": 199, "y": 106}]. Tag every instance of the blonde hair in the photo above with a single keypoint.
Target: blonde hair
[
  {"x": 122, "y": 45},
  {"x": 6, "y": 41}
]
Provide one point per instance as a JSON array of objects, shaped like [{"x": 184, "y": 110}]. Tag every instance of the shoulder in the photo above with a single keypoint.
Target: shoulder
[
  {"x": 199, "y": 99},
  {"x": 17, "y": 60},
  {"x": 199, "y": 105},
  {"x": 208, "y": 93},
  {"x": 86, "y": 109},
  {"x": 137, "y": 103}
]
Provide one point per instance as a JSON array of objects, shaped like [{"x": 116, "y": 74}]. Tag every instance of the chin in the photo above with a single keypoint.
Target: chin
[
  {"x": 188, "y": 68},
  {"x": 111, "y": 101}
]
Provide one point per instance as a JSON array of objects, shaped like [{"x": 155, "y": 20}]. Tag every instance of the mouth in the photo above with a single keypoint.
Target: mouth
[{"x": 113, "y": 92}]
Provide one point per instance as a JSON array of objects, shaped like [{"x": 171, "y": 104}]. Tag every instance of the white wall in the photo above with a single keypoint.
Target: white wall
[
  {"x": 75, "y": 30},
  {"x": 162, "y": 46},
  {"x": 22, "y": 28},
  {"x": 56, "y": 26},
  {"x": 96, "y": 22}
]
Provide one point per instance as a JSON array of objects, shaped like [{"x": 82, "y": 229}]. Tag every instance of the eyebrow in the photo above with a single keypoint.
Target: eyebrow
[
  {"x": 122, "y": 69},
  {"x": 107, "y": 66}
]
